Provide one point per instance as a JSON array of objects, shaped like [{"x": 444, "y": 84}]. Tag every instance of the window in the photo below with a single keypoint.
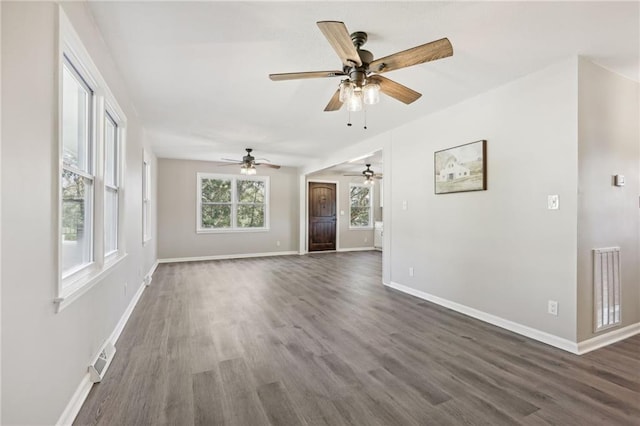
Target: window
[
  {"x": 111, "y": 178},
  {"x": 77, "y": 171},
  {"x": 232, "y": 203},
  {"x": 360, "y": 202},
  {"x": 146, "y": 199},
  {"x": 92, "y": 133}
]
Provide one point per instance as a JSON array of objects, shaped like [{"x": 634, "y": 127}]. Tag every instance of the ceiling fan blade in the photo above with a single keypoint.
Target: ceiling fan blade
[
  {"x": 335, "y": 103},
  {"x": 377, "y": 177},
  {"x": 355, "y": 175},
  {"x": 231, "y": 161},
  {"x": 417, "y": 55},
  {"x": 339, "y": 38},
  {"x": 303, "y": 75},
  {"x": 395, "y": 90},
  {"x": 273, "y": 166}
]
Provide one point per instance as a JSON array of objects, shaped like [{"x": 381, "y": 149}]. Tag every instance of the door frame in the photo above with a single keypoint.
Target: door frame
[{"x": 306, "y": 209}]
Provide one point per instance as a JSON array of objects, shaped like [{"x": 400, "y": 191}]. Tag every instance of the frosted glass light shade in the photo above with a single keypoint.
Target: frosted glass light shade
[
  {"x": 346, "y": 91},
  {"x": 354, "y": 103},
  {"x": 371, "y": 93}
]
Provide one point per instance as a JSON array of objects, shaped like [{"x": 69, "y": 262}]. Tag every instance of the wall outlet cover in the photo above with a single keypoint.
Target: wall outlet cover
[{"x": 553, "y": 202}]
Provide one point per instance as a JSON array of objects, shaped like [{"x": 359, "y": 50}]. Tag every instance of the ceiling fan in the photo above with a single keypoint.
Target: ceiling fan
[
  {"x": 248, "y": 163},
  {"x": 368, "y": 175},
  {"x": 363, "y": 81}
]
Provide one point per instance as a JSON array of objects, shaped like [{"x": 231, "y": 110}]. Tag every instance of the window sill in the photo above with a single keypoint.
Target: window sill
[
  {"x": 86, "y": 282},
  {"x": 230, "y": 230}
]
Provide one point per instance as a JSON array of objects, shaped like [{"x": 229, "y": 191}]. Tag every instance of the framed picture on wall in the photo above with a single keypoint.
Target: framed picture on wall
[{"x": 461, "y": 168}]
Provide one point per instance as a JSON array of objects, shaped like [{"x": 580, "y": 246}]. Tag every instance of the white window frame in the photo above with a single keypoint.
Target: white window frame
[
  {"x": 146, "y": 198},
  {"x": 110, "y": 115},
  {"x": 73, "y": 284},
  {"x": 371, "y": 192},
  {"x": 234, "y": 203}
]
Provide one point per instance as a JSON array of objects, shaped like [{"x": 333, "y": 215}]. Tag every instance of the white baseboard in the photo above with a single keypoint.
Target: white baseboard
[
  {"x": 226, "y": 256},
  {"x": 532, "y": 333},
  {"x": 149, "y": 277},
  {"x": 606, "y": 339},
  {"x": 75, "y": 404},
  {"x": 80, "y": 395},
  {"x": 356, "y": 249},
  {"x": 115, "y": 335}
]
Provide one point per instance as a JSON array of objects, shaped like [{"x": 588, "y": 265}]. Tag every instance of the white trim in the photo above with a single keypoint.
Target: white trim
[
  {"x": 226, "y": 256},
  {"x": 149, "y": 277},
  {"x": 355, "y": 249},
  {"x": 115, "y": 335},
  {"x": 541, "y": 336},
  {"x": 234, "y": 203},
  {"x": 73, "y": 291},
  {"x": 371, "y": 195},
  {"x": 612, "y": 336},
  {"x": 80, "y": 395},
  {"x": 75, "y": 404}
]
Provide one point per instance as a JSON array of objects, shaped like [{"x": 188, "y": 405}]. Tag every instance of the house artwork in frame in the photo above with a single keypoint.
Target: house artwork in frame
[{"x": 462, "y": 168}]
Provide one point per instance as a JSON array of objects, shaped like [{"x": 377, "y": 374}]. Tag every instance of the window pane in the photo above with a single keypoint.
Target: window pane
[
  {"x": 110, "y": 221},
  {"x": 360, "y": 216},
  {"x": 250, "y": 191},
  {"x": 110, "y": 152},
  {"x": 250, "y": 216},
  {"x": 76, "y": 97},
  {"x": 76, "y": 221},
  {"x": 359, "y": 196},
  {"x": 216, "y": 191},
  {"x": 216, "y": 215}
]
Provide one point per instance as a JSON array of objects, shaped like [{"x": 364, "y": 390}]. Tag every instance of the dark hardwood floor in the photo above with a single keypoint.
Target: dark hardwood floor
[{"x": 318, "y": 340}]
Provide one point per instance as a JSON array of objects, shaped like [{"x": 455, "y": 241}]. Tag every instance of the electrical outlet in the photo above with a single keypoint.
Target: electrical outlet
[
  {"x": 404, "y": 205},
  {"x": 366, "y": 239},
  {"x": 410, "y": 271},
  {"x": 278, "y": 243},
  {"x": 552, "y": 307},
  {"x": 553, "y": 202}
]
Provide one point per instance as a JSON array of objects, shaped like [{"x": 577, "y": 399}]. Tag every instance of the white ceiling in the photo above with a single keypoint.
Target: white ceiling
[{"x": 198, "y": 72}]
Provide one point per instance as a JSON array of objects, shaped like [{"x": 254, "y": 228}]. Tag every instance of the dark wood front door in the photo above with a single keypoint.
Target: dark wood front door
[{"x": 322, "y": 216}]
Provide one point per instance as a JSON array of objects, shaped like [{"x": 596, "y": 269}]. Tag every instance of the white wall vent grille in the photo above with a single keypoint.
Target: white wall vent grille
[
  {"x": 101, "y": 364},
  {"x": 606, "y": 287}
]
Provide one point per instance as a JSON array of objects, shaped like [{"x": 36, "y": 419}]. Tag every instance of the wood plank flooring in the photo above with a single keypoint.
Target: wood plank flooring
[{"x": 317, "y": 340}]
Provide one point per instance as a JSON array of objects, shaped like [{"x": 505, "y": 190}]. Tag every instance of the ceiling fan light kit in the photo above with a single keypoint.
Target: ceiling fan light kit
[
  {"x": 248, "y": 163},
  {"x": 368, "y": 174},
  {"x": 364, "y": 82}
]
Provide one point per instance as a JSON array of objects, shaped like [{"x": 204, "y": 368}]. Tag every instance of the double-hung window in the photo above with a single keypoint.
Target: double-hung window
[
  {"x": 232, "y": 203},
  {"x": 360, "y": 202},
  {"x": 77, "y": 170},
  {"x": 111, "y": 182},
  {"x": 92, "y": 133}
]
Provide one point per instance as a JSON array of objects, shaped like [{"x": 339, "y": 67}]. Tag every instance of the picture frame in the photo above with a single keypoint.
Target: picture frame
[{"x": 462, "y": 168}]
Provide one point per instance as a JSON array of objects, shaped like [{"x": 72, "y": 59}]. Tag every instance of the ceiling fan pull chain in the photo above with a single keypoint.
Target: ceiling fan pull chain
[
  {"x": 349, "y": 122},
  {"x": 365, "y": 119}
]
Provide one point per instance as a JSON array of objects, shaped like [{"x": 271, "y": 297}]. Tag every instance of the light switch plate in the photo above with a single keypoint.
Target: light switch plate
[
  {"x": 618, "y": 180},
  {"x": 553, "y": 202}
]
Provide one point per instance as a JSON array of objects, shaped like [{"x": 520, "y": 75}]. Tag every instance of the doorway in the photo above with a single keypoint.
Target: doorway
[{"x": 322, "y": 216}]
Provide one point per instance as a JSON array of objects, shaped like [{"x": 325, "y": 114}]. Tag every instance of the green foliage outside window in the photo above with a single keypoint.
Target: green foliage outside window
[
  {"x": 218, "y": 206},
  {"x": 73, "y": 201},
  {"x": 360, "y": 205}
]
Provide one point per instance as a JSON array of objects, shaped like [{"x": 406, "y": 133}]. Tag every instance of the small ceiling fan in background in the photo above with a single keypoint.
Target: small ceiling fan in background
[
  {"x": 368, "y": 175},
  {"x": 363, "y": 81},
  {"x": 249, "y": 162}
]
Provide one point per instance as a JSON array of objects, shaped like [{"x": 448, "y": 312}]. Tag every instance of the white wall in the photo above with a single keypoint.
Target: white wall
[
  {"x": 607, "y": 215},
  {"x": 45, "y": 354},
  {"x": 499, "y": 251},
  {"x": 177, "y": 236}
]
